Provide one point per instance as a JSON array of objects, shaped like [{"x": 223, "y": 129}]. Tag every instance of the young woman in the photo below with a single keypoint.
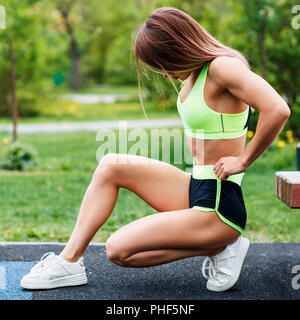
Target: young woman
[{"x": 199, "y": 214}]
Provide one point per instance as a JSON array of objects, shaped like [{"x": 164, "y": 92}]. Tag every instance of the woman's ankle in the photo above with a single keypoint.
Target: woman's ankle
[{"x": 71, "y": 256}]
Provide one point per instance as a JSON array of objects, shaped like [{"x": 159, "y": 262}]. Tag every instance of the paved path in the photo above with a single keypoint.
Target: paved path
[
  {"x": 90, "y": 98},
  {"x": 92, "y": 126},
  {"x": 270, "y": 272}
]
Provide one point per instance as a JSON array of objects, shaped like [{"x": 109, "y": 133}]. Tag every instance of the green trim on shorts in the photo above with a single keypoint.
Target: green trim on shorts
[
  {"x": 203, "y": 208},
  {"x": 207, "y": 172},
  {"x": 230, "y": 223}
]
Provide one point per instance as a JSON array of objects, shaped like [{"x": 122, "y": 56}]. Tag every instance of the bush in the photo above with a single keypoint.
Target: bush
[
  {"x": 280, "y": 156},
  {"x": 28, "y": 103},
  {"x": 19, "y": 157}
]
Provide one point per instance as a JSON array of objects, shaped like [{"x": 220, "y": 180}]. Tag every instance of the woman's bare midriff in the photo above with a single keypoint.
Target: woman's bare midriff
[{"x": 210, "y": 151}]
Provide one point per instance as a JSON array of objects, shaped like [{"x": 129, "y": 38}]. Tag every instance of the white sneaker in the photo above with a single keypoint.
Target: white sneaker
[
  {"x": 225, "y": 267},
  {"x": 53, "y": 272}
]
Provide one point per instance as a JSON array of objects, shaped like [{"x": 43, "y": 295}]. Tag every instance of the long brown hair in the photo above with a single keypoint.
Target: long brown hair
[{"x": 172, "y": 41}]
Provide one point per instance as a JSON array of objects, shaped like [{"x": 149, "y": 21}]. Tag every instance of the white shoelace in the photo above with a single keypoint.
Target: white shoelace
[
  {"x": 215, "y": 267},
  {"x": 43, "y": 262},
  {"x": 210, "y": 268}
]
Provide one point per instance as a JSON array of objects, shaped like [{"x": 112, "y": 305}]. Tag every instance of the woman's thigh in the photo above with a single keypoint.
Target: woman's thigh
[
  {"x": 182, "y": 229},
  {"x": 163, "y": 186}
]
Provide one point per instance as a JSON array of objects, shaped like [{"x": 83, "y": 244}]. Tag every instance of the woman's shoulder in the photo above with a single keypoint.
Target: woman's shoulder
[
  {"x": 226, "y": 63},
  {"x": 225, "y": 69}
]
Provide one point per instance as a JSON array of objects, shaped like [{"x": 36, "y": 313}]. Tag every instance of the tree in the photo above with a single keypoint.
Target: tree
[
  {"x": 65, "y": 8},
  {"x": 272, "y": 46},
  {"x": 23, "y": 50}
]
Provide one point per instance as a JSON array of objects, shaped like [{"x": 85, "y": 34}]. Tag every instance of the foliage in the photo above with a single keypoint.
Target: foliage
[
  {"x": 19, "y": 157},
  {"x": 104, "y": 34},
  {"x": 29, "y": 29}
]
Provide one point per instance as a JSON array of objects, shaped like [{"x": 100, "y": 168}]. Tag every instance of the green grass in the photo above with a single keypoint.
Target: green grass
[
  {"x": 65, "y": 111},
  {"x": 269, "y": 219},
  {"x": 43, "y": 205}
]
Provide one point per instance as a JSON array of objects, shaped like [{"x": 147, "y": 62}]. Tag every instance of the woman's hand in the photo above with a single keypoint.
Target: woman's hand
[{"x": 226, "y": 166}]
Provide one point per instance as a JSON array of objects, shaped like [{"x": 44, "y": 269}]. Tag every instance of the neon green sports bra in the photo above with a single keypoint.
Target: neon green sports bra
[{"x": 200, "y": 121}]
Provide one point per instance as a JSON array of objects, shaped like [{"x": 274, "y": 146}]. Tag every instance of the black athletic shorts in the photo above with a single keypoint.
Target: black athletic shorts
[{"x": 209, "y": 193}]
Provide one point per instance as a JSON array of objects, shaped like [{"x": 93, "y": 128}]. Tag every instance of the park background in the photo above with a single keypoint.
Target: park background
[{"x": 51, "y": 50}]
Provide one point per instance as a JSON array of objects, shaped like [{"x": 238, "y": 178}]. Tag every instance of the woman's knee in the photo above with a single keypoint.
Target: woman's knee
[
  {"x": 107, "y": 168},
  {"x": 116, "y": 253}
]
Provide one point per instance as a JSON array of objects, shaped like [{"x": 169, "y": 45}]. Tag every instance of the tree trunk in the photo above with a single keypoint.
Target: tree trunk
[
  {"x": 99, "y": 72},
  {"x": 13, "y": 89},
  {"x": 262, "y": 52},
  {"x": 75, "y": 61},
  {"x": 73, "y": 51}
]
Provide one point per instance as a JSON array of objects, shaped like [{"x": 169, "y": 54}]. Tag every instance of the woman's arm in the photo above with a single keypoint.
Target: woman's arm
[{"x": 233, "y": 74}]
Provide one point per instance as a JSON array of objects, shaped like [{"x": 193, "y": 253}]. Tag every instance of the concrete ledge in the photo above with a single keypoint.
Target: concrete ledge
[{"x": 287, "y": 187}]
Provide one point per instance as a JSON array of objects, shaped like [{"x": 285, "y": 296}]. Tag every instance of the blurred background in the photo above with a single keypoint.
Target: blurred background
[{"x": 72, "y": 61}]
